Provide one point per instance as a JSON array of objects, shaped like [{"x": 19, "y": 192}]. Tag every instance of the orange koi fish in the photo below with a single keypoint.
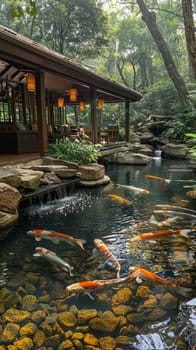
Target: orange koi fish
[
  {"x": 86, "y": 287},
  {"x": 154, "y": 234},
  {"x": 102, "y": 248},
  {"x": 142, "y": 273},
  {"x": 139, "y": 272},
  {"x": 56, "y": 237},
  {"x": 136, "y": 190},
  {"x": 119, "y": 199},
  {"x": 157, "y": 178},
  {"x": 53, "y": 258}
]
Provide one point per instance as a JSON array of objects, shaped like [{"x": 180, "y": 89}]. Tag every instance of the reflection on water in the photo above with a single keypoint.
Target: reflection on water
[{"x": 139, "y": 320}]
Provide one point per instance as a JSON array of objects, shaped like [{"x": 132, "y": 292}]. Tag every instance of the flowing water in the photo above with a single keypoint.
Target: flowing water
[{"x": 89, "y": 214}]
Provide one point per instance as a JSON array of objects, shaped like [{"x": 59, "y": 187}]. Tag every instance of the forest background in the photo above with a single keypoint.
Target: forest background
[{"x": 149, "y": 46}]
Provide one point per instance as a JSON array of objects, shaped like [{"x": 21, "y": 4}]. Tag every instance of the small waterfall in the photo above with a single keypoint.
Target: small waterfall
[
  {"x": 48, "y": 193},
  {"x": 158, "y": 153},
  {"x": 157, "y": 157}
]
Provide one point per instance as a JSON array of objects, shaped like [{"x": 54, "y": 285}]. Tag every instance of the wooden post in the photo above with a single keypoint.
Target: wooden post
[
  {"x": 127, "y": 133},
  {"x": 41, "y": 110},
  {"x": 93, "y": 115}
]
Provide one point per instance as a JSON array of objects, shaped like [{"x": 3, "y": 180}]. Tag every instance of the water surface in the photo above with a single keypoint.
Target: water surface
[{"x": 89, "y": 214}]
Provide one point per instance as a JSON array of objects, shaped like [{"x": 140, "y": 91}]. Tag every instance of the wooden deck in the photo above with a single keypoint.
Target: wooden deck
[{"x": 9, "y": 159}]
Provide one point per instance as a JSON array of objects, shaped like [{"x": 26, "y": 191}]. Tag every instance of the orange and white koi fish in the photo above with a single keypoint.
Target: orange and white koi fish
[
  {"x": 152, "y": 221},
  {"x": 164, "y": 223},
  {"x": 86, "y": 287},
  {"x": 53, "y": 258},
  {"x": 119, "y": 199},
  {"x": 103, "y": 249},
  {"x": 56, "y": 237},
  {"x": 157, "y": 178},
  {"x": 134, "y": 189},
  {"x": 139, "y": 272},
  {"x": 168, "y": 212},
  {"x": 153, "y": 234}
]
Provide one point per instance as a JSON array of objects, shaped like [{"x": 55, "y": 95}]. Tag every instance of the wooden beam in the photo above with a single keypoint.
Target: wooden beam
[
  {"x": 41, "y": 118},
  {"x": 93, "y": 115},
  {"x": 127, "y": 132}
]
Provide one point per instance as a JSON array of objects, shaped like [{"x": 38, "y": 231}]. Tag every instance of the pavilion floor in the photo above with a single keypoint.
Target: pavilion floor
[{"x": 9, "y": 159}]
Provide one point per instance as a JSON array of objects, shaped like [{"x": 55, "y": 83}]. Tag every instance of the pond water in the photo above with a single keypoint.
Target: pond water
[{"x": 138, "y": 314}]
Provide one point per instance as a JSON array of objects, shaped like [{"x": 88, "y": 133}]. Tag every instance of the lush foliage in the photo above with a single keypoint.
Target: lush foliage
[
  {"x": 80, "y": 152},
  {"x": 191, "y": 138}
]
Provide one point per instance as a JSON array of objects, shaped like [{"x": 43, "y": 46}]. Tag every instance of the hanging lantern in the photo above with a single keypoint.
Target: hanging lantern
[
  {"x": 73, "y": 95},
  {"x": 82, "y": 106},
  {"x": 60, "y": 102},
  {"x": 30, "y": 81},
  {"x": 100, "y": 104}
]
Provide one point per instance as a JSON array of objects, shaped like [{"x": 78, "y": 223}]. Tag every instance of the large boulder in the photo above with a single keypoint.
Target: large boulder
[
  {"x": 10, "y": 198},
  {"x": 91, "y": 171},
  {"x": 10, "y": 177},
  {"x": 6, "y": 219},
  {"x": 175, "y": 151},
  {"x": 30, "y": 179},
  {"x": 62, "y": 171},
  {"x": 129, "y": 158}
]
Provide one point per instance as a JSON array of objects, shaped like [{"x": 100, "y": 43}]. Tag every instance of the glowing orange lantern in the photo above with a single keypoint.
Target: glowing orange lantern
[
  {"x": 60, "y": 102},
  {"x": 30, "y": 81},
  {"x": 100, "y": 104},
  {"x": 82, "y": 106},
  {"x": 73, "y": 95}
]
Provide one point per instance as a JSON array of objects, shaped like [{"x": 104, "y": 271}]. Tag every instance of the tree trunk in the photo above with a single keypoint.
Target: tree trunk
[
  {"x": 190, "y": 33},
  {"x": 150, "y": 20}
]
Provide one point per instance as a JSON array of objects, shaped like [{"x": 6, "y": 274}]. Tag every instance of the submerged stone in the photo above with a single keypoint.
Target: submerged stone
[
  {"x": 10, "y": 333},
  {"x": 39, "y": 338},
  {"x": 16, "y": 316},
  {"x": 90, "y": 339},
  {"x": 24, "y": 344},
  {"x": 122, "y": 296},
  {"x": 86, "y": 314},
  {"x": 104, "y": 324},
  {"x": 107, "y": 343},
  {"x": 168, "y": 301},
  {"x": 67, "y": 319}
]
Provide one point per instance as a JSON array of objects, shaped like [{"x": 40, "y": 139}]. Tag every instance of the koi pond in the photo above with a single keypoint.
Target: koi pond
[{"x": 154, "y": 310}]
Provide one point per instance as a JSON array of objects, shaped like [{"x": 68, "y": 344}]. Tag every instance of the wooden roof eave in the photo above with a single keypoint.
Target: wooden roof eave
[{"x": 24, "y": 52}]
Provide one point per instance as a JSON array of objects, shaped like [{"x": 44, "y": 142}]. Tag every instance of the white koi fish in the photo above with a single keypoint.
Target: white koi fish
[
  {"x": 86, "y": 287},
  {"x": 168, "y": 212},
  {"x": 56, "y": 237},
  {"x": 175, "y": 207},
  {"x": 103, "y": 249},
  {"x": 53, "y": 258},
  {"x": 134, "y": 189}
]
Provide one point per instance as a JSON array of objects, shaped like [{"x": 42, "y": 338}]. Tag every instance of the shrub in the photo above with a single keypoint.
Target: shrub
[{"x": 81, "y": 152}]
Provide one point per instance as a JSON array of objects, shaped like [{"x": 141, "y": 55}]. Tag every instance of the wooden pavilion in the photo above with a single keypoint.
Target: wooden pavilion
[{"x": 29, "y": 114}]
